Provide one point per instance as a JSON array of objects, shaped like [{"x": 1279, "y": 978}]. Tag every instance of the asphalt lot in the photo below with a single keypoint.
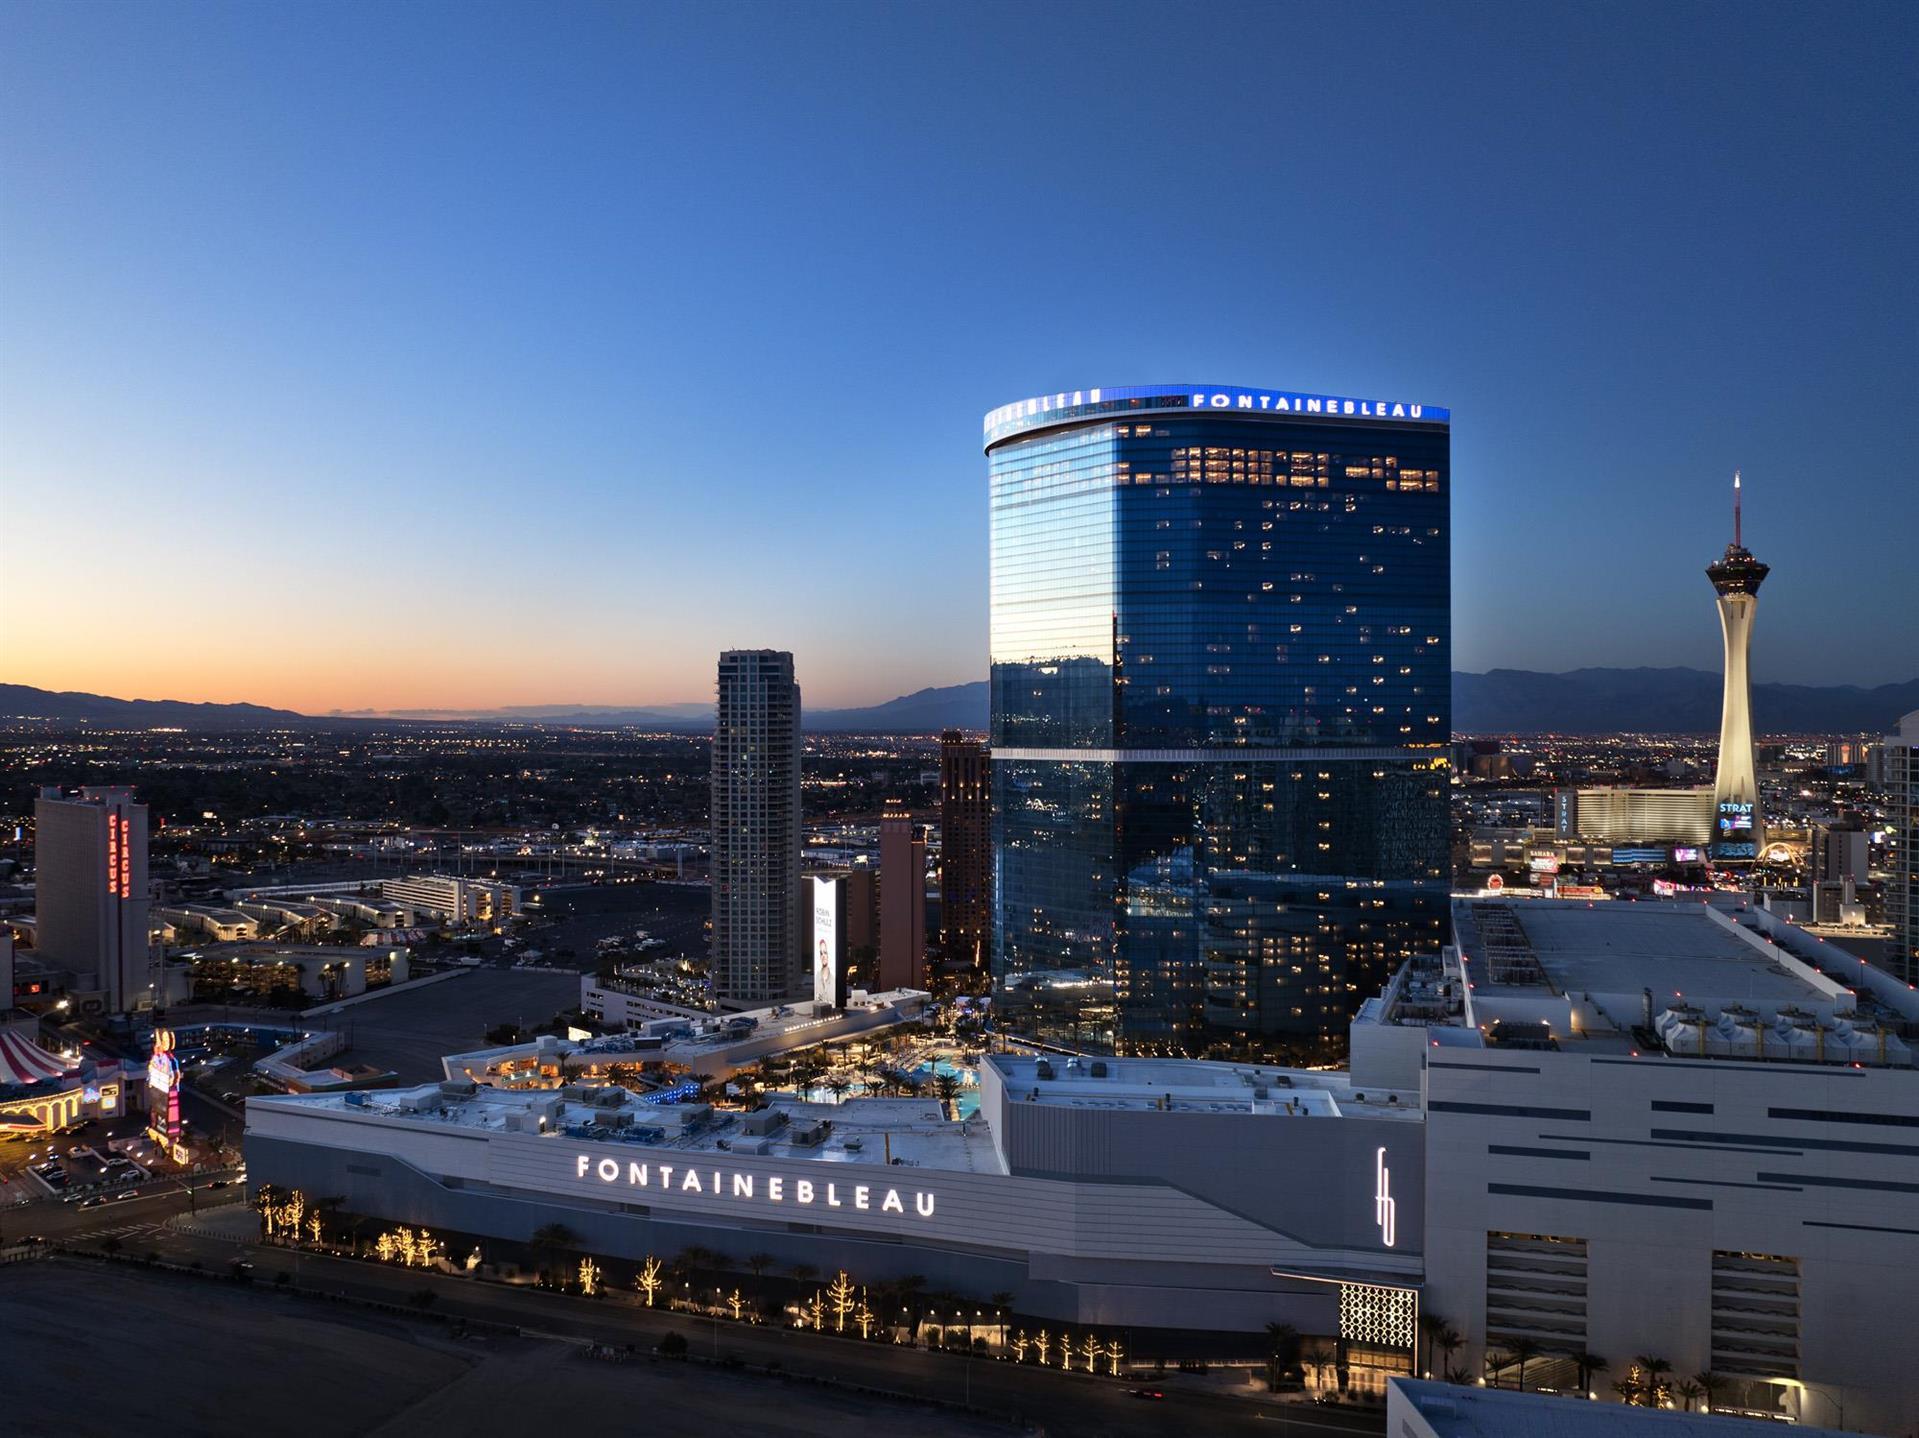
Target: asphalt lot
[
  {"x": 410, "y": 1031},
  {"x": 261, "y": 1362},
  {"x": 578, "y": 917},
  {"x": 285, "y": 1370}
]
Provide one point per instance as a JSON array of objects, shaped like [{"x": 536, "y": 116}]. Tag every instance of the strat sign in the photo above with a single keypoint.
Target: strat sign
[{"x": 777, "y": 1188}]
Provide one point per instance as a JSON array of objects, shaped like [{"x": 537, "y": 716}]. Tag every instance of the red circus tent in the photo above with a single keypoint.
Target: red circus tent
[{"x": 24, "y": 1062}]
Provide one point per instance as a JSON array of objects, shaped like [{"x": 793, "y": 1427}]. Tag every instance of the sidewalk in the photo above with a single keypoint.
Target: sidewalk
[{"x": 230, "y": 1221}]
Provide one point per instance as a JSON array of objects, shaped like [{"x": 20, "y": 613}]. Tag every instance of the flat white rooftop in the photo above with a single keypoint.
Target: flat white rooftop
[
  {"x": 903, "y": 1132},
  {"x": 1195, "y": 1086},
  {"x": 1668, "y": 948}
]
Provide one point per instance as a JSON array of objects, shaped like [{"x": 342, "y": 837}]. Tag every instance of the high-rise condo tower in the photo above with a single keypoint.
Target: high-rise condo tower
[{"x": 762, "y": 919}]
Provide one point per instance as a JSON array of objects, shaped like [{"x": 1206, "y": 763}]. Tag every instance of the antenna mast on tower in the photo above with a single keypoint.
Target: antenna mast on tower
[{"x": 1735, "y": 508}]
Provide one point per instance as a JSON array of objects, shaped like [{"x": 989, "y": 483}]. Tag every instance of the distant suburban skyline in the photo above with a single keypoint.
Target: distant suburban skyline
[{"x": 455, "y": 356}]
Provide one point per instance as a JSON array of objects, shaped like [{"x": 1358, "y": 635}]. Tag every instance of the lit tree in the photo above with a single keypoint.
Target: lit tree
[
  {"x": 314, "y": 1229},
  {"x": 1066, "y": 1351},
  {"x": 1040, "y": 1345},
  {"x": 1089, "y": 1349},
  {"x": 589, "y": 1277},
  {"x": 864, "y": 1316},
  {"x": 733, "y": 1302},
  {"x": 816, "y": 1311},
  {"x": 839, "y": 1297},
  {"x": 649, "y": 1282},
  {"x": 1019, "y": 1346},
  {"x": 264, "y": 1202},
  {"x": 1114, "y": 1355},
  {"x": 1654, "y": 1388},
  {"x": 387, "y": 1245},
  {"x": 421, "y": 1249}
]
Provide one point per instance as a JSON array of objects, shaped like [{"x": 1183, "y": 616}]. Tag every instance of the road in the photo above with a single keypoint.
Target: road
[{"x": 1059, "y": 1403}]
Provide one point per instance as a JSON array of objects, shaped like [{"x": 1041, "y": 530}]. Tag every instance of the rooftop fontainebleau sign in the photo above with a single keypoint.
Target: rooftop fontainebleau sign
[{"x": 675, "y": 1178}]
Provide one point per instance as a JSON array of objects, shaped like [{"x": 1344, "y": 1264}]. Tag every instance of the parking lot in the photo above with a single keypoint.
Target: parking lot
[
  {"x": 408, "y": 1032},
  {"x": 575, "y": 918}
]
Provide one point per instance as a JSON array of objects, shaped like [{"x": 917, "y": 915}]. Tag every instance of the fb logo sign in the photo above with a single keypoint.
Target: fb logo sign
[{"x": 1384, "y": 1208}]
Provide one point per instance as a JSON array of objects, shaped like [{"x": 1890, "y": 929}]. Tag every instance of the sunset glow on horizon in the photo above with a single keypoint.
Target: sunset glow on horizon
[{"x": 500, "y": 361}]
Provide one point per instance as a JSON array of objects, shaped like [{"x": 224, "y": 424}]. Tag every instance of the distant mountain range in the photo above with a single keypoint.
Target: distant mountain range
[
  {"x": 1664, "y": 701},
  {"x": 1501, "y": 701},
  {"x": 23, "y": 701},
  {"x": 954, "y": 706}
]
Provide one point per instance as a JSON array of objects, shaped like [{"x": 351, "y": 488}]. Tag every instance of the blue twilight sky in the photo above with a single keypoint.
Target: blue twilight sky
[{"x": 369, "y": 355}]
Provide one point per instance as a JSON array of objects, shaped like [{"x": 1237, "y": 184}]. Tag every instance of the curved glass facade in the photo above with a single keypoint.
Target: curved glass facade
[{"x": 1220, "y": 680}]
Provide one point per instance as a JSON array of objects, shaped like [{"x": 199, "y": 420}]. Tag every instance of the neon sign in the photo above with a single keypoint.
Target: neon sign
[
  {"x": 710, "y": 1183},
  {"x": 1385, "y": 1207},
  {"x": 1089, "y": 403},
  {"x": 163, "y": 1095}
]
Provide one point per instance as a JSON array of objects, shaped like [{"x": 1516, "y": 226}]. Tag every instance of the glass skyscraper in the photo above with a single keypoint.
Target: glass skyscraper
[{"x": 1221, "y": 653}]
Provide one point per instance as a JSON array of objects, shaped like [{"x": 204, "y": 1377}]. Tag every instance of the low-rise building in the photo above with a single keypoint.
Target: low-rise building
[
  {"x": 321, "y": 972},
  {"x": 453, "y": 899},
  {"x": 211, "y": 921},
  {"x": 718, "y": 1045}
]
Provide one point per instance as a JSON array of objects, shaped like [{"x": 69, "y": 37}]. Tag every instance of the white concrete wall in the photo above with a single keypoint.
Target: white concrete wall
[{"x": 1655, "y": 1192}]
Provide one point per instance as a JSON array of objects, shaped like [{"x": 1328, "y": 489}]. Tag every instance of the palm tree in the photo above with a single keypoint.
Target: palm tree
[
  {"x": 1283, "y": 1349},
  {"x": 758, "y": 1263},
  {"x": 1002, "y": 1301},
  {"x": 1690, "y": 1393},
  {"x": 1448, "y": 1338},
  {"x": 1429, "y": 1326},
  {"x": 1655, "y": 1386},
  {"x": 1318, "y": 1358},
  {"x": 552, "y": 1245},
  {"x": 1588, "y": 1364},
  {"x": 912, "y": 1297},
  {"x": 1523, "y": 1349},
  {"x": 947, "y": 1087},
  {"x": 1627, "y": 1389},
  {"x": 839, "y": 1086},
  {"x": 1709, "y": 1385},
  {"x": 693, "y": 1257},
  {"x": 803, "y": 1271}
]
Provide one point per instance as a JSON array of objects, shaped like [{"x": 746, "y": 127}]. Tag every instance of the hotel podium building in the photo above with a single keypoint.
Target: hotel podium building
[
  {"x": 1220, "y": 653},
  {"x": 1688, "y": 1130}
]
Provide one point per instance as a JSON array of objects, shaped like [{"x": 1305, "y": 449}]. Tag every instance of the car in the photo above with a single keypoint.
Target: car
[
  {"x": 93, "y": 1202},
  {"x": 124, "y": 1195},
  {"x": 1149, "y": 1393},
  {"x": 221, "y": 1183}
]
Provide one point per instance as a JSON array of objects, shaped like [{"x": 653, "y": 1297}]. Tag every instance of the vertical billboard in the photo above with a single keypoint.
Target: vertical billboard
[
  {"x": 163, "y": 1095},
  {"x": 1733, "y": 836},
  {"x": 829, "y": 967}
]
